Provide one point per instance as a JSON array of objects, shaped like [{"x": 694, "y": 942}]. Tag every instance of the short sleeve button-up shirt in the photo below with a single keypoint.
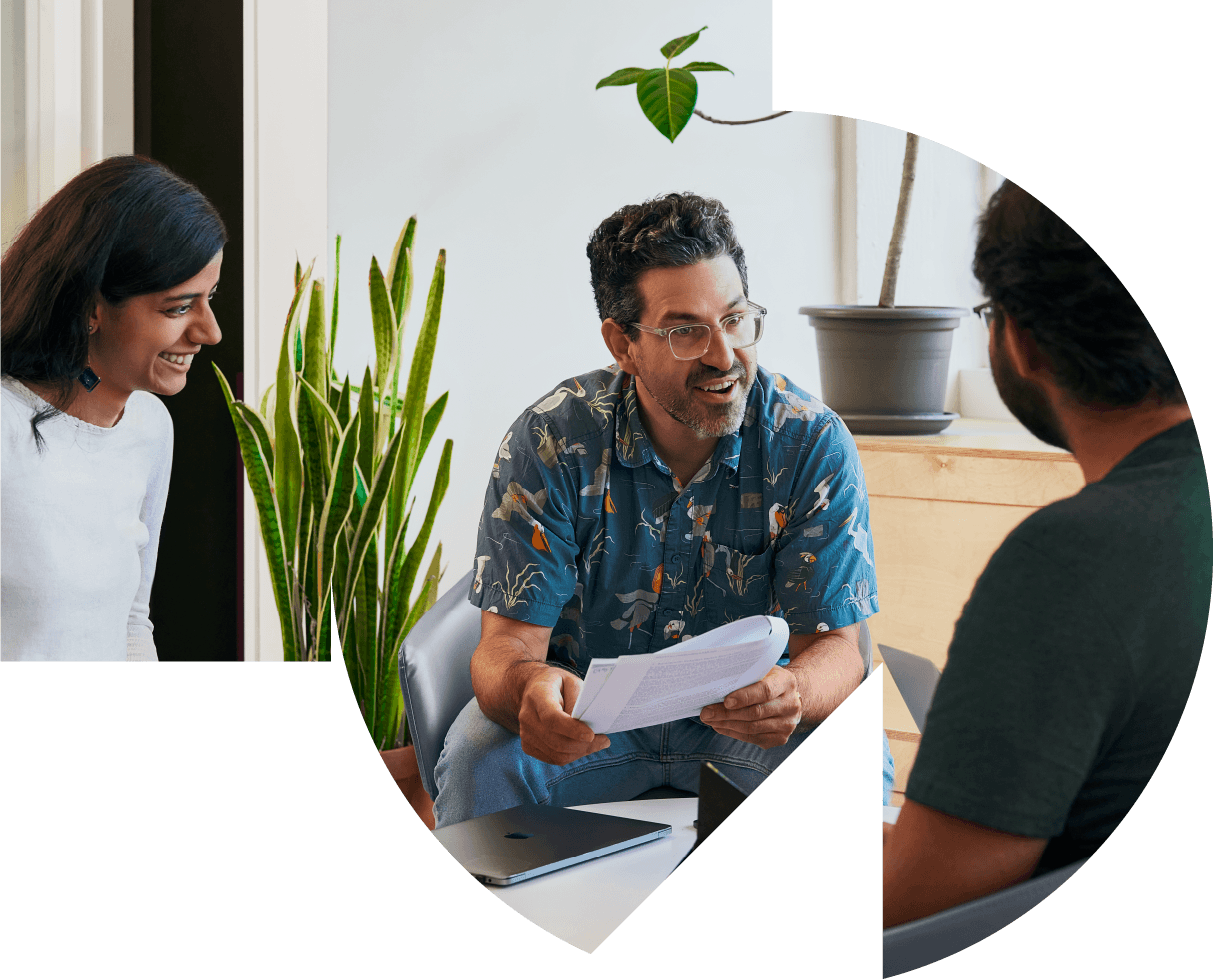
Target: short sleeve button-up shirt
[{"x": 586, "y": 530}]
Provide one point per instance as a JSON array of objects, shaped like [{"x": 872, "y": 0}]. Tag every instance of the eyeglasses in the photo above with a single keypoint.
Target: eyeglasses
[
  {"x": 690, "y": 341},
  {"x": 988, "y": 313}
]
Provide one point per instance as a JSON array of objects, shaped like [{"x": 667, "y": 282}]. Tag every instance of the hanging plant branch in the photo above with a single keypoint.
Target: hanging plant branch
[
  {"x": 666, "y": 95},
  {"x": 740, "y": 122},
  {"x": 892, "y": 264}
]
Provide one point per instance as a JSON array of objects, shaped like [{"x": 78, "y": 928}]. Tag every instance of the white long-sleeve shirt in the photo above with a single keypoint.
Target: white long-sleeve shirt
[{"x": 79, "y": 529}]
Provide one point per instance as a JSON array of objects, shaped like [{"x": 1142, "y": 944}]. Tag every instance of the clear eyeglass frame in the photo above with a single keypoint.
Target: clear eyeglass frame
[
  {"x": 988, "y": 313},
  {"x": 752, "y": 309}
]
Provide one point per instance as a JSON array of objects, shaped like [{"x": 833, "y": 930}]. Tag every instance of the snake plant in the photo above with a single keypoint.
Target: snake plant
[{"x": 331, "y": 466}]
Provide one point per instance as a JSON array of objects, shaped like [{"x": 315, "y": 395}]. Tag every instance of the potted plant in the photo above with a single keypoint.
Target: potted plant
[
  {"x": 884, "y": 367},
  {"x": 331, "y": 466}
]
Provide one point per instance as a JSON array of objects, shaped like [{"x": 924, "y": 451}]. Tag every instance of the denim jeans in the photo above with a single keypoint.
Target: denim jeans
[
  {"x": 483, "y": 769},
  {"x": 888, "y": 771}
]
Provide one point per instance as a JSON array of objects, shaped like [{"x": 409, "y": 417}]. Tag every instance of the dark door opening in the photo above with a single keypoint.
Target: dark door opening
[{"x": 189, "y": 116}]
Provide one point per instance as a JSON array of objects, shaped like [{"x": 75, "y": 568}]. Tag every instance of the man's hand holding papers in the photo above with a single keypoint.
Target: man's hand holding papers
[
  {"x": 764, "y": 713},
  {"x": 547, "y": 730},
  {"x": 736, "y": 660}
]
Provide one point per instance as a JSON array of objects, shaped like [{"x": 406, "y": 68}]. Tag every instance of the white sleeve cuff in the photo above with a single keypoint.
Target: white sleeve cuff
[{"x": 141, "y": 648}]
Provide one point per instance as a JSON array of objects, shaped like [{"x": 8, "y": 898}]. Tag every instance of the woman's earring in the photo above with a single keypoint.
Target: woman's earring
[{"x": 88, "y": 377}]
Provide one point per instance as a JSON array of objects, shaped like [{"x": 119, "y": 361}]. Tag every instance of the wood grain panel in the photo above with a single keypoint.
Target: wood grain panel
[
  {"x": 929, "y": 554},
  {"x": 970, "y": 476}
]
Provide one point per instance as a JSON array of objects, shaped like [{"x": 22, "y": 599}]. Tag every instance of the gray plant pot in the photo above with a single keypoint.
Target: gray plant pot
[{"x": 885, "y": 370}]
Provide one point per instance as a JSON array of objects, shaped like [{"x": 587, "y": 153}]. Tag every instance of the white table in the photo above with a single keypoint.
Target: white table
[{"x": 584, "y": 904}]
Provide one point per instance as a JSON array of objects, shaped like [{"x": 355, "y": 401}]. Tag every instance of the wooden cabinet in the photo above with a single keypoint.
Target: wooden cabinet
[{"x": 940, "y": 506}]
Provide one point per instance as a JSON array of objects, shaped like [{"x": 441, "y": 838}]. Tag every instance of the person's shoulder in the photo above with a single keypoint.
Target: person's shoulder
[
  {"x": 19, "y": 406},
  {"x": 788, "y": 413},
  {"x": 18, "y": 399},
  {"x": 149, "y": 416},
  {"x": 581, "y": 405}
]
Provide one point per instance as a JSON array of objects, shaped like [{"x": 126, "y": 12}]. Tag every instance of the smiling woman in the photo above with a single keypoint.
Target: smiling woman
[{"x": 105, "y": 299}]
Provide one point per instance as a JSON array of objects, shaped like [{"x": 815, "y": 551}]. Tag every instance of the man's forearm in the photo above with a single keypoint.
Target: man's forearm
[
  {"x": 501, "y": 668},
  {"x": 826, "y": 674}
]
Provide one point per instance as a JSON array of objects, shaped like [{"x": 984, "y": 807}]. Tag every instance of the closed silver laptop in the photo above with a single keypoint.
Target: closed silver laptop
[{"x": 516, "y": 844}]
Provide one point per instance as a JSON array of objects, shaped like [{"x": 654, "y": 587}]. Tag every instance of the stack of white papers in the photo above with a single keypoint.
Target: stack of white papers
[{"x": 653, "y": 688}]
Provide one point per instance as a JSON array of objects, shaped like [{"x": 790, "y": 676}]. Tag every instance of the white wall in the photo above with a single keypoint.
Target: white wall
[
  {"x": 949, "y": 192},
  {"x": 483, "y": 120},
  {"x": 68, "y": 96},
  {"x": 285, "y": 174}
]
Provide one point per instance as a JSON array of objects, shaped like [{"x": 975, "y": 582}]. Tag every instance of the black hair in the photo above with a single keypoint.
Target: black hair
[
  {"x": 663, "y": 232},
  {"x": 126, "y": 226},
  {"x": 1053, "y": 284}
]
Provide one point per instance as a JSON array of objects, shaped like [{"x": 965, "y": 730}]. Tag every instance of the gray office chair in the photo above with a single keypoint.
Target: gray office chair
[
  {"x": 916, "y": 678},
  {"x": 917, "y": 943},
  {"x": 435, "y": 660},
  {"x": 435, "y": 673}
]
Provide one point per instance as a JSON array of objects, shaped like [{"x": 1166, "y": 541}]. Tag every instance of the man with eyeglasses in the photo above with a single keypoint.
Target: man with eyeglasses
[
  {"x": 637, "y": 506},
  {"x": 1072, "y": 660}
]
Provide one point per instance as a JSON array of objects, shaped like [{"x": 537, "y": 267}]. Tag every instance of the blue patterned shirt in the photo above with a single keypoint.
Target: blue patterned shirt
[{"x": 586, "y": 530}]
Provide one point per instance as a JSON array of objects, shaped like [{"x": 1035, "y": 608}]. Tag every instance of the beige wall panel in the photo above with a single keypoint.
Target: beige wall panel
[{"x": 929, "y": 554}]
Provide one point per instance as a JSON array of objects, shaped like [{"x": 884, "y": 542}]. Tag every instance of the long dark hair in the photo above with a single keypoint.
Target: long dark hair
[{"x": 124, "y": 227}]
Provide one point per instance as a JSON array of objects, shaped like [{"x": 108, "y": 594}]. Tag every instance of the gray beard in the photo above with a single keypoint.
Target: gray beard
[{"x": 725, "y": 421}]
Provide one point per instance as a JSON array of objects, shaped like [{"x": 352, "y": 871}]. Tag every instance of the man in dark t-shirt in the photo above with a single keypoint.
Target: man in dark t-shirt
[{"x": 1074, "y": 656}]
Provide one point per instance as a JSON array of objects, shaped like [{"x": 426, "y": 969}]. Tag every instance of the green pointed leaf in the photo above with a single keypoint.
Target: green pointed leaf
[
  {"x": 423, "y": 359},
  {"x": 383, "y": 321},
  {"x": 667, "y": 98},
  {"x": 675, "y": 47},
  {"x": 369, "y": 436},
  {"x": 267, "y": 402},
  {"x": 396, "y": 603},
  {"x": 705, "y": 66},
  {"x": 624, "y": 76},
  {"x": 324, "y": 646},
  {"x": 343, "y": 405},
  {"x": 313, "y": 445},
  {"x": 323, "y": 410},
  {"x": 432, "y": 417},
  {"x": 338, "y": 505},
  {"x": 366, "y": 605},
  {"x": 251, "y": 436},
  {"x": 413, "y": 561},
  {"x": 336, "y": 283},
  {"x": 368, "y": 521},
  {"x": 315, "y": 354},
  {"x": 400, "y": 271},
  {"x": 288, "y": 459},
  {"x": 307, "y": 579}
]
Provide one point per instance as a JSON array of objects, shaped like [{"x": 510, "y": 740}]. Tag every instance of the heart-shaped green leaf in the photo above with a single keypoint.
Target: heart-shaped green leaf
[
  {"x": 624, "y": 76},
  {"x": 667, "y": 98},
  {"x": 680, "y": 44},
  {"x": 705, "y": 66}
]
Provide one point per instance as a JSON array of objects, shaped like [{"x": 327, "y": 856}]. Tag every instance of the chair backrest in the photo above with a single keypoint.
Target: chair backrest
[
  {"x": 918, "y": 943},
  {"x": 435, "y": 676},
  {"x": 916, "y": 678},
  {"x": 865, "y": 649}
]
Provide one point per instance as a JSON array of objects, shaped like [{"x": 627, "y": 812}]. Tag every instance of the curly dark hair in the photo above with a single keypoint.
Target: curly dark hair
[
  {"x": 1034, "y": 267},
  {"x": 126, "y": 226},
  {"x": 663, "y": 232}
]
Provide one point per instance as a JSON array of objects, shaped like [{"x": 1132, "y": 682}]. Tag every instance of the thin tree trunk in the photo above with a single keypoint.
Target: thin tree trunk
[{"x": 892, "y": 265}]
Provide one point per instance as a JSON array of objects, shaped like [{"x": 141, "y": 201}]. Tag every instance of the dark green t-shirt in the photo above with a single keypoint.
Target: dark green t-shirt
[{"x": 1074, "y": 656}]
